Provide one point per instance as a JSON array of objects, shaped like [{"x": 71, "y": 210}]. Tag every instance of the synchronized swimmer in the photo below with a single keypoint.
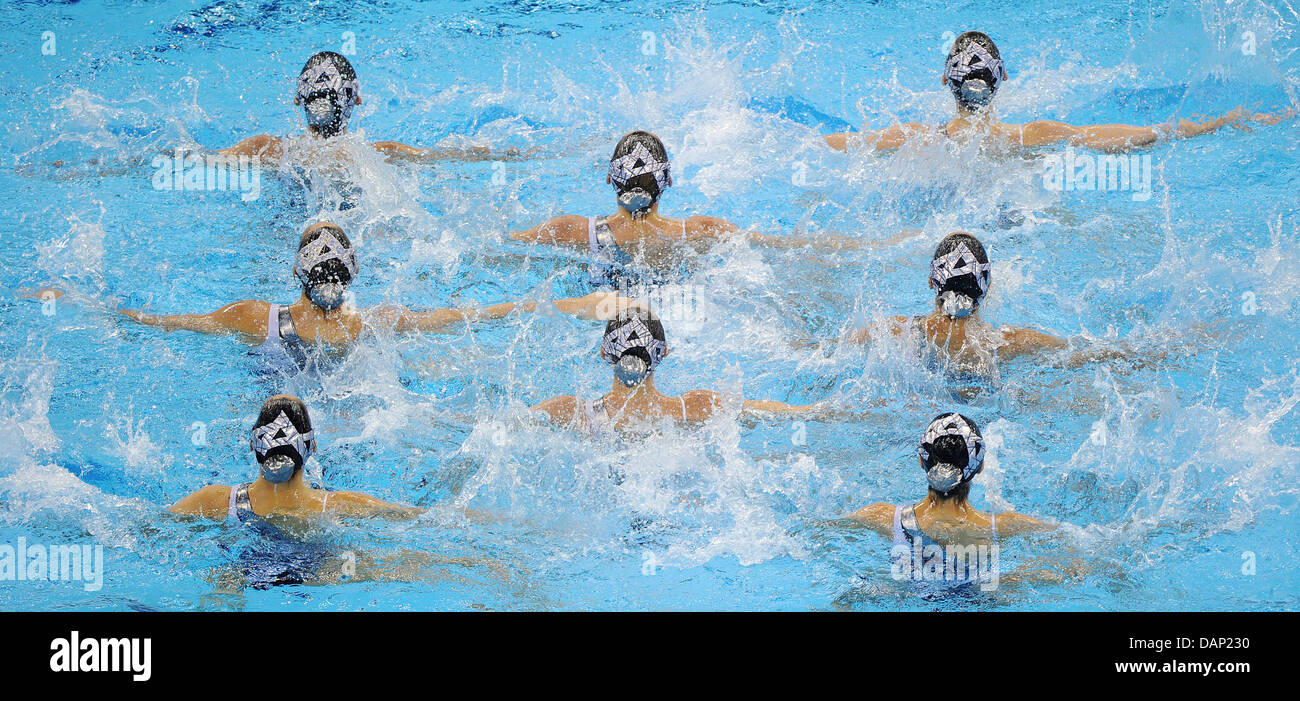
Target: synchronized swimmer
[
  {"x": 638, "y": 245},
  {"x": 328, "y": 90},
  {"x": 282, "y": 440},
  {"x": 634, "y": 343},
  {"x": 960, "y": 274},
  {"x": 974, "y": 71}
]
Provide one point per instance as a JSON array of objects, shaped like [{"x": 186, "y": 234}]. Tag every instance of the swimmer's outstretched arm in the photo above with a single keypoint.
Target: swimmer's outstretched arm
[
  {"x": 209, "y": 502},
  {"x": 1114, "y": 138},
  {"x": 601, "y": 306},
  {"x": 262, "y": 145},
  {"x": 830, "y": 242},
  {"x": 862, "y": 336},
  {"x": 878, "y": 517},
  {"x": 240, "y": 317},
  {"x": 886, "y": 139},
  {"x": 597, "y": 306},
  {"x": 708, "y": 229},
  {"x": 823, "y": 411},
  {"x": 1012, "y": 523},
  {"x": 366, "y": 506},
  {"x": 247, "y": 318},
  {"x": 1018, "y": 341},
  {"x": 566, "y": 230},
  {"x": 771, "y": 407},
  {"x": 436, "y": 320},
  {"x": 398, "y": 151},
  {"x": 1121, "y": 351},
  {"x": 1047, "y": 571},
  {"x": 561, "y": 411}
]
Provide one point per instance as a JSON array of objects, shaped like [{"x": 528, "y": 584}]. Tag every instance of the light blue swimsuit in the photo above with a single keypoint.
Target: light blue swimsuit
[
  {"x": 283, "y": 351},
  {"x": 906, "y": 530}
]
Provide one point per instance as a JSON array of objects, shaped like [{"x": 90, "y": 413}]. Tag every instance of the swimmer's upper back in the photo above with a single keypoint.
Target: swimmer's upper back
[
  {"x": 654, "y": 241},
  {"x": 339, "y": 329}
]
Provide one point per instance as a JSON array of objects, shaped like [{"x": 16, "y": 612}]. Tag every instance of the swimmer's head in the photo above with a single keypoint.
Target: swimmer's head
[
  {"x": 282, "y": 438},
  {"x": 639, "y": 172},
  {"x": 973, "y": 70},
  {"x": 327, "y": 91},
  {"x": 634, "y": 344},
  {"x": 951, "y": 453},
  {"x": 325, "y": 264},
  {"x": 959, "y": 273}
]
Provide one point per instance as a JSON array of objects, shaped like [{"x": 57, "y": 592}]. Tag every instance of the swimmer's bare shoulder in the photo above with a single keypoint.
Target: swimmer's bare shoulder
[
  {"x": 701, "y": 231},
  {"x": 1012, "y": 133},
  {"x": 863, "y": 335},
  {"x": 209, "y": 502},
  {"x": 562, "y": 410},
  {"x": 1012, "y": 523},
  {"x": 1021, "y": 341},
  {"x": 878, "y": 516},
  {"x": 703, "y": 226},
  {"x": 358, "y": 504},
  {"x": 566, "y": 229},
  {"x": 701, "y": 404},
  {"x": 263, "y": 145},
  {"x": 246, "y": 317}
]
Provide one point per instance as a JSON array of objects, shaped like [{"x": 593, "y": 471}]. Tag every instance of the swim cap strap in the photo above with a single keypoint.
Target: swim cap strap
[
  {"x": 638, "y": 161},
  {"x": 956, "y": 263},
  {"x": 323, "y": 248},
  {"x": 282, "y": 432},
  {"x": 971, "y": 58},
  {"x": 634, "y": 334},
  {"x": 955, "y": 425}
]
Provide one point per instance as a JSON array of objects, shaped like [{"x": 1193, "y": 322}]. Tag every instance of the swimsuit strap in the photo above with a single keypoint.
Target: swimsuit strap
[
  {"x": 289, "y": 339},
  {"x": 598, "y": 419},
  {"x": 908, "y": 520},
  {"x": 684, "y": 228},
  {"x": 284, "y": 324},
  {"x": 240, "y": 504},
  {"x": 600, "y": 238},
  {"x": 289, "y": 333},
  {"x": 324, "y": 501},
  {"x": 230, "y": 507},
  {"x": 683, "y": 401},
  {"x": 272, "y": 322},
  {"x": 900, "y": 538},
  {"x": 993, "y": 523}
]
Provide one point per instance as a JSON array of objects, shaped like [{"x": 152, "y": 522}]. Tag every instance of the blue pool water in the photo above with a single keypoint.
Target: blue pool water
[{"x": 1173, "y": 471}]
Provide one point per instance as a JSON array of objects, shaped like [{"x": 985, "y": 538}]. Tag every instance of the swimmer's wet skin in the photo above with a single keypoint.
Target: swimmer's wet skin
[
  {"x": 951, "y": 453},
  {"x": 328, "y": 90},
  {"x": 637, "y": 242},
  {"x": 974, "y": 71},
  {"x": 944, "y": 524},
  {"x": 282, "y": 440},
  {"x": 637, "y": 234},
  {"x": 325, "y": 265},
  {"x": 960, "y": 275},
  {"x": 634, "y": 344}
]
